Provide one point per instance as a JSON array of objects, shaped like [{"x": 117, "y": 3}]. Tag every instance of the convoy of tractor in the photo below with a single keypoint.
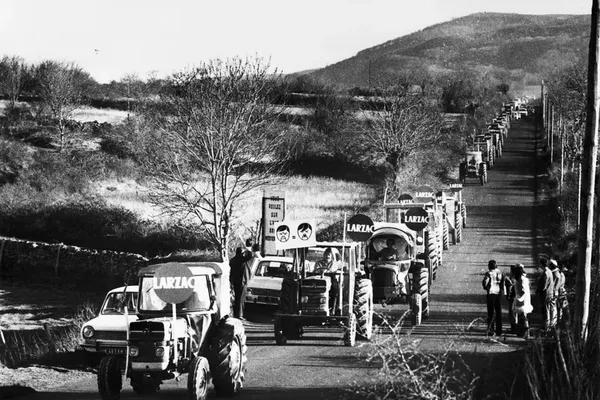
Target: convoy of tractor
[{"x": 177, "y": 320}]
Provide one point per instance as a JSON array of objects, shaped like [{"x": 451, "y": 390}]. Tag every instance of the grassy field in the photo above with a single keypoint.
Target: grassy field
[{"x": 321, "y": 199}]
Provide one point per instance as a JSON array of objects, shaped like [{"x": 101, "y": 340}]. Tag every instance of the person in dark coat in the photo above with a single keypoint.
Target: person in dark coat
[
  {"x": 494, "y": 286},
  {"x": 240, "y": 278}
]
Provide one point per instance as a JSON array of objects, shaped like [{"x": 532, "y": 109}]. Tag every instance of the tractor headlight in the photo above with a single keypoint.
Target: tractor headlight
[
  {"x": 88, "y": 332},
  {"x": 304, "y": 299},
  {"x": 322, "y": 300},
  {"x": 134, "y": 351},
  {"x": 159, "y": 351}
]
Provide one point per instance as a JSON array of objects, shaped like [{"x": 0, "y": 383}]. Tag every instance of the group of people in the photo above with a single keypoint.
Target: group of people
[{"x": 515, "y": 287}]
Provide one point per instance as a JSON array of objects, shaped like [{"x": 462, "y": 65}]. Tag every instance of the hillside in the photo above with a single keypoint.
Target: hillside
[{"x": 513, "y": 48}]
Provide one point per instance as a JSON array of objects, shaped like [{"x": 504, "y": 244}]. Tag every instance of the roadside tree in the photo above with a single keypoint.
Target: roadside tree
[
  {"x": 406, "y": 125},
  {"x": 12, "y": 78},
  {"x": 214, "y": 139},
  {"x": 61, "y": 87}
]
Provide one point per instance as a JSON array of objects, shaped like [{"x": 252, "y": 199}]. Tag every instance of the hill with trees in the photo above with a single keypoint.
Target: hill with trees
[{"x": 508, "y": 48}]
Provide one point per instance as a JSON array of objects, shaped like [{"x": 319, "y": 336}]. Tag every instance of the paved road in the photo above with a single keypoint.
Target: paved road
[{"x": 500, "y": 227}]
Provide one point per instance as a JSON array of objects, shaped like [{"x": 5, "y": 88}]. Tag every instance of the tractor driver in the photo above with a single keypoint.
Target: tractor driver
[
  {"x": 328, "y": 264},
  {"x": 389, "y": 253}
]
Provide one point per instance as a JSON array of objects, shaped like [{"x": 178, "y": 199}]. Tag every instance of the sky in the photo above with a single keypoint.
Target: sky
[{"x": 113, "y": 38}]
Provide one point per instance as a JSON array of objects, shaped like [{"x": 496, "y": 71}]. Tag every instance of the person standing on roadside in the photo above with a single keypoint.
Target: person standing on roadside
[
  {"x": 509, "y": 285},
  {"x": 522, "y": 302},
  {"x": 546, "y": 291},
  {"x": 493, "y": 284},
  {"x": 560, "y": 294},
  {"x": 240, "y": 276}
]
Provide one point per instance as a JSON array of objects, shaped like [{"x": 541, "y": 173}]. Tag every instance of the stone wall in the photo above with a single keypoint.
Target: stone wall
[{"x": 64, "y": 265}]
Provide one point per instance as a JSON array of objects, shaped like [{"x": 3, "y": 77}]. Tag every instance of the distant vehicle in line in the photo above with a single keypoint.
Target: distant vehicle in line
[{"x": 267, "y": 276}]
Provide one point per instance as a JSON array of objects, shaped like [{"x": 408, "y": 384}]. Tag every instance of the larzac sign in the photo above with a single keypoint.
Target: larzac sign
[
  {"x": 173, "y": 284},
  {"x": 416, "y": 218},
  {"x": 359, "y": 228},
  {"x": 295, "y": 234},
  {"x": 424, "y": 194}
]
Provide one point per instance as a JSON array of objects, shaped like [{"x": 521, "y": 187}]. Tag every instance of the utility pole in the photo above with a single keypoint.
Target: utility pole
[{"x": 588, "y": 177}]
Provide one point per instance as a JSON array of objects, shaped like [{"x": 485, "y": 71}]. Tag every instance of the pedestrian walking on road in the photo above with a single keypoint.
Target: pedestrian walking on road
[
  {"x": 494, "y": 285},
  {"x": 545, "y": 289},
  {"x": 560, "y": 293}
]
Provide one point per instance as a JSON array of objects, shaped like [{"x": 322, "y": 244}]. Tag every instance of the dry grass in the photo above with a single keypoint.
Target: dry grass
[
  {"x": 321, "y": 199},
  {"x": 84, "y": 113}
]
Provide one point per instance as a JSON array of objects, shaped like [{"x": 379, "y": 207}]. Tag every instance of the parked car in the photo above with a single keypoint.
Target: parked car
[
  {"x": 107, "y": 333},
  {"x": 267, "y": 275}
]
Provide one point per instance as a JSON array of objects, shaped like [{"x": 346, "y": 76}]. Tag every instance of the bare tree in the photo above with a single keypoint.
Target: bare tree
[
  {"x": 12, "y": 77},
  {"x": 61, "y": 87},
  {"x": 407, "y": 124},
  {"x": 214, "y": 141}
]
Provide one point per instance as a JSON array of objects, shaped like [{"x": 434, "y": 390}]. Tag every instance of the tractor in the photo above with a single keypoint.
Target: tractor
[
  {"x": 485, "y": 144},
  {"x": 405, "y": 276},
  {"x": 455, "y": 210},
  {"x": 473, "y": 166},
  {"x": 496, "y": 133},
  {"x": 342, "y": 296},
  {"x": 183, "y": 327}
]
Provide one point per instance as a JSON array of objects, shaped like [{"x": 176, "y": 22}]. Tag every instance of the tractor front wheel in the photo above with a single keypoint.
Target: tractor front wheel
[
  {"x": 350, "y": 333},
  {"x": 198, "y": 379},
  {"x": 110, "y": 380},
  {"x": 363, "y": 295},
  {"x": 229, "y": 351}
]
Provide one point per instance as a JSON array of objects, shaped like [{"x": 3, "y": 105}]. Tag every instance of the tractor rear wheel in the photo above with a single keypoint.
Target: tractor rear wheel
[
  {"x": 363, "y": 307},
  {"x": 198, "y": 379},
  {"x": 446, "y": 235},
  {"x": 457, "y": 227},
  {"x": 485, "y": 174},
  {"x": 431, "y": 251},
  {"x": 229, "y": 349},
  {"x": 416, "y": 314},
  {"x": 463, "y": 213},
  {"x": 350, "y": 333},
  {"x": 110, "y": 381}
]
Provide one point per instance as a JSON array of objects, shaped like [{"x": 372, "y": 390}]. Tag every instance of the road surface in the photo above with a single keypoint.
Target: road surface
[{"x": 501, "y": 226}]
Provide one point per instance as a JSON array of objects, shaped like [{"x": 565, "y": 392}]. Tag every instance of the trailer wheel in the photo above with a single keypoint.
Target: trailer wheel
[
  {"x": 457, "y": 227},
  {"x": 229, "y": 352},
  {"x": 198, "y": 379},
  {"x": 350, "y": 333},
  {"x": 363, "y": 295},
  {"x": 446, "y": 236},
  {"x": 110, "y": 381}
]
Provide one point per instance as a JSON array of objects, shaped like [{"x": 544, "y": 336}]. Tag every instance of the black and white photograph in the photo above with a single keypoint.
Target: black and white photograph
[{"x": 276, "y": 200}]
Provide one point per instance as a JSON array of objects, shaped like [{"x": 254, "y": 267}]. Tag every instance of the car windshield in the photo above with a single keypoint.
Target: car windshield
[
  {"x": 200, "y": 300},
  {"x": 114, "y": 303},
  {"x": 276, "y": 269}
]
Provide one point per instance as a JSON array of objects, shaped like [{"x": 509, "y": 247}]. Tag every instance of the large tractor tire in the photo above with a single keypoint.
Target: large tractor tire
[
  {"x": 350, "y": 332},
  {"x": 463, "y": 213},
  {"x": 363, "y": 307},
  {"x": 110, "y": 380},
  {"x": 446, "y": 235},
  {"x": 440, "y": 246},
  {"x": 485, "y": 174},
  {"x": 462, "y": 172},
  {"x": 500, "y": 150},
  {"x": 431, "y": 251},
  {"x": 458, "y": 227},
  {"x": 198, "y": 379},
  {"x": 228, "y": 350},
  {"x": 285, "y": 299},
  {"x": 420, "y": 306}
]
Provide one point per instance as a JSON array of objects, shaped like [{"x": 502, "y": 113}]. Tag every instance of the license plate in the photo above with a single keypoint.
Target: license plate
[{"x": 115, "y": 351}]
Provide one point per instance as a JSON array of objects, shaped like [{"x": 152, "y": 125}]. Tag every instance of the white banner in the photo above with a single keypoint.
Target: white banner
[{"x": 295, "y": 234}]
